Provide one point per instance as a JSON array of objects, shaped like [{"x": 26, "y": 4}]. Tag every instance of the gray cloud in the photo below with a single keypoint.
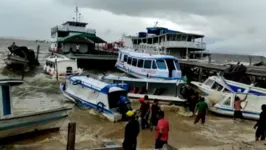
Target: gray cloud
[{"x": 230, "y": 26}]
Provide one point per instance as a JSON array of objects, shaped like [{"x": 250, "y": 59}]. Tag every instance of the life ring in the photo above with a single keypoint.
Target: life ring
[
  {"x": 76, "y": 82},
  {"x": 100, "y": 106}
]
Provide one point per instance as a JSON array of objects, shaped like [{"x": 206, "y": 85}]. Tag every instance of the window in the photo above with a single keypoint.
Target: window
[
  {"x": 228, "y": 102},
  {"x": 208, "y": 82},
  {"x": 217, "y": 86},
  {"x": 134, "y": 62},
  {"x": 147, "y": 64},
  {"x": 140, "y": 63},
  {"x": 226, "y": 90},
  {"x": 125, "y": 58},
  {"x": 129, "y": 60},
  {"x": 177, "y": 65},
  {"x": 161, "y": 64}
]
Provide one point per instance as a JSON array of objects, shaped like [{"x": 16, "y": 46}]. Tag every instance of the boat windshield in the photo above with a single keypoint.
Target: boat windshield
[{"x": 161, "y": 64}]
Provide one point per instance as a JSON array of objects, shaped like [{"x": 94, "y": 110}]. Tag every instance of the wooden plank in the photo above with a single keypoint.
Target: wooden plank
[{"x": 71, "y": 136}]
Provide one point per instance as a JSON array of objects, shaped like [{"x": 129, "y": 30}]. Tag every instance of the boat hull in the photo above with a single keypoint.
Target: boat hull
[
  {"x": 230, "y": 112},
  {"x": 29, "y": 123}
]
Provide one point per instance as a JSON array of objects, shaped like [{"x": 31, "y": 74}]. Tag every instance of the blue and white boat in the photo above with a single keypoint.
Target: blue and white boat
[
  {"x": 89, "y": 92},
  {"x": 224, "y": 105},
  {"x": 147, "y": 65},
  {"x": 217, "y": 83},
  {"x": 11, "y": 125}
]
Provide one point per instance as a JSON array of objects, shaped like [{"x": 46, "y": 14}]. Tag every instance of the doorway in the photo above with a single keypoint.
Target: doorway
[{"x": 171, "y": 66}]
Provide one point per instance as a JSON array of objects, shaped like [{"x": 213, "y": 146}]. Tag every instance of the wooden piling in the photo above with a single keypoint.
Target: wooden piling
[
  {"x": 37, "y": 53},
  {"x": 71, "y": 136}
]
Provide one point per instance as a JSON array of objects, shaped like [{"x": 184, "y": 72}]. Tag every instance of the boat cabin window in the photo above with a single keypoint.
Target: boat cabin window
[
  {"x": 161, "y": 64},
  {"x": 226, "y": 90},
  {"x": 114, "y": 98},
  {"x": 228, "y": 102},
  {"x": 129, "y": 60},
  {"x": 154, "y": 65},
  {"x": 147, "y": 64},
  {"x": 134, "y": 62},
  {"x": 217, "y": 86},
  {"x": 177, "y": 65},
  {"x": 140, "y": 63},
  {"x": 209, "y": 82},
  {"x": 125, "y": 58}
]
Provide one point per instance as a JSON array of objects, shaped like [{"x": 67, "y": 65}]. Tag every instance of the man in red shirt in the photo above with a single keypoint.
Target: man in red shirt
[{"x": 162, "y": 130}]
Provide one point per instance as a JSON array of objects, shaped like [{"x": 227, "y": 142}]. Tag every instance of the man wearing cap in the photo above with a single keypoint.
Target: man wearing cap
[{"x": 131, "y": 132}]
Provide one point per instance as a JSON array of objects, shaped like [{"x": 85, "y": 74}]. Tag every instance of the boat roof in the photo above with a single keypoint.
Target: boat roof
[
  {"x": 95, "y": 84},
  {"x": 11, "y": 82},
  {"x": 130, "y": 52},
  {"x": 58, "y": 57},
  {"x": 123, "y": 78}
]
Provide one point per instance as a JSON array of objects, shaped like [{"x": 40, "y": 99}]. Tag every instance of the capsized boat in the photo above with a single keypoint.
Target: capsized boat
[
  {"x": 218, "y": 83},
  {"x": 20, "y": 57},
  {"x": 144, "y": 64},
  {"x": 11, "y": 125},
  {"x": 224, "y": 105},
  {"x": 89, "y": 92},
  {"x": 61, "y": 65},
  {"x": 163, "y": 90}
]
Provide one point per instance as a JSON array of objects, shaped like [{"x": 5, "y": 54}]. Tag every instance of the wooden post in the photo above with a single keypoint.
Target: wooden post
[
  {"x": 250, "y": 60},
  {"x": 71, "y": 136}
]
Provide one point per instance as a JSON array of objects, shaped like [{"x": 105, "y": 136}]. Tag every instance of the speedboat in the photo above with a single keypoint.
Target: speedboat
[
  {"x": 89, "y": 92},
  {"x": 218, "y": 83},
  {"x": 60, "y": 65},
  {"x": 224, "y": 105}
]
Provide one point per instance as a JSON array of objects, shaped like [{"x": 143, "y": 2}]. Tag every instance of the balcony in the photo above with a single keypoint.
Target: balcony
[
  {"x": 183, "y": 44},
  {"x": 72, "y": 29}
]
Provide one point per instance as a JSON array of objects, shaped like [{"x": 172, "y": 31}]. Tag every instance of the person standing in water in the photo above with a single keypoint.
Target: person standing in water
[
  {"x": 144, "y": 112},
  {"x": 261, "y": 124},
  {"x": 162, "y": 131},
  {"x": 155, "y": 109},
  {"x": 200, "y": 111},
  {"x": 131, "y": 132},
  {"x": 237, "y": 107}
]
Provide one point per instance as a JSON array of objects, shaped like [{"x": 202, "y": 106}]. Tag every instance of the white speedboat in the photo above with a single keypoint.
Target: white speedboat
[
  {"x": 224, "y": 105},
  {"x": 92, "y": 93},
  {"x": 162, "y": 90},
  {"x": 14, "y": 125},
  {"x": 61, "y": 65},
  {"x": 217, "y": 83},
  {"x": 146, "y": 65}
]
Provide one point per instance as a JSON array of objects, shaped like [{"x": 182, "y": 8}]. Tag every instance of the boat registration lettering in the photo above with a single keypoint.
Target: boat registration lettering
[{"x": 148, "y": 71}]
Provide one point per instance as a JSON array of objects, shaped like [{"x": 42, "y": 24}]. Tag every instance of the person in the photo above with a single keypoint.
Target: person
[
  {"x": 144, "y": 112},
  {"x": 155, "y": 109},
  {"x": 124, "y": 105},
  {"x": 261, "y": 124},
  {"x": 131, "y": 132},
  {"x": 237, "y": 108},
  {"x": 200, "y": 111},
  {"x": 162, "y": 131}
]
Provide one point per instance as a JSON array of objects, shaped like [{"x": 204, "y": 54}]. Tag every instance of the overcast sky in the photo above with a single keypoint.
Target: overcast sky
[{"x": 236, "y": 26}]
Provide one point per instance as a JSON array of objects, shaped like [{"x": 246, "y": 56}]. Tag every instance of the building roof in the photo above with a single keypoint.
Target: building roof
[{"x": 83, "y": 37}]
